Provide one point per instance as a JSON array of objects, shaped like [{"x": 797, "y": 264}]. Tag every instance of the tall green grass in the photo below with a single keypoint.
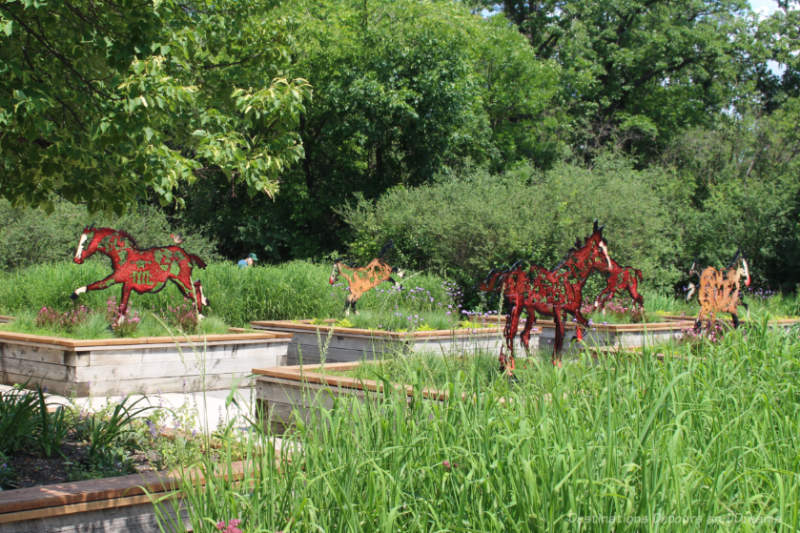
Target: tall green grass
[
  {"x": 702, "y": 442},
  {"x": 297, "y": 289}
]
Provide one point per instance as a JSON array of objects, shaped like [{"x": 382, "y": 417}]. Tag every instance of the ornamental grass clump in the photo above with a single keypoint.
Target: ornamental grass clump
[{"x": 705, "y": 439}]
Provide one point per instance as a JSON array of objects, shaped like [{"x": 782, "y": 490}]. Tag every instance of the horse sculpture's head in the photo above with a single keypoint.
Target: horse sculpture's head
[
  {"x": 335, "y": 272},
  {"x": 85, "y": 250},
  {"x": 594, "y": 252},
  {"x": 493, "y": 280},
  {"x": 740, "y": 264}
]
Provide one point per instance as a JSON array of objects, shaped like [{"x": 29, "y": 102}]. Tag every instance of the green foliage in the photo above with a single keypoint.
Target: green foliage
[
  {"x": 53, "y": 425},
  {"x": 402, "y": 91},
  {"x": 236, "y": 296},
  {"x": 103, "y": 102},
  {"x": 27, "y": 423},
  {"x": 19, "y": 419},
  {"x": 632, "y": 440},
  {"x": 463, "y": 227},
  {"x": 106, "y": 430},
  {"x": 633, "y": 73},
  {"x": 746, "y": 193},
  {"x": 31, "y": 236}
]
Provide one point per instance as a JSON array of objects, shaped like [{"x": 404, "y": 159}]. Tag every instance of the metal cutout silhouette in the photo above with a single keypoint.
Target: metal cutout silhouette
[
  {"x": 362, "y": 279},
  {"x": 553, "y": 292},
  {"x": 140, "y": 270},
  {"x": 719, "y": 291},
  {"x": 621, "y": 278}
]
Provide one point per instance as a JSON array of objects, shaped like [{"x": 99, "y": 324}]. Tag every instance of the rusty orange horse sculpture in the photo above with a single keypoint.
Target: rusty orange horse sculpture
[
  {"x": 719, "y": 291},
  {"x": 140, "y": 270},
  {"x": 362, "y": 279}
]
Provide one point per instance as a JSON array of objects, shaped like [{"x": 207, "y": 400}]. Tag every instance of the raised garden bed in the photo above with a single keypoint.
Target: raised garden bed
[
  {"x": 314, "y": 342},
  {"x": 304, "y": 388},
  {"x": 784, "y": 323},
  {"x": 4, "y": 319},
  {"x": 141, "y": 365},
  {"x": 612, "y": 334},
  {"x": 117, "y": 504}
]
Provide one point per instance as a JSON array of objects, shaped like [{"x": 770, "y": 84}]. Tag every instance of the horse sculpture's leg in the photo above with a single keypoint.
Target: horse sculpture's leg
[
  {"x": 350, "y": 303},
  {"x": 512, "y": 326},
  {"x": 526, "y": 332},
  {"x": 735, "y": 319},
  {"x": 581, "y": 322},
  {"x": 559, "y": 340},
  {"x": 102, "y": 284},
  {"x": 123, "y": 305},
  {"x": 187, "y": 292}
]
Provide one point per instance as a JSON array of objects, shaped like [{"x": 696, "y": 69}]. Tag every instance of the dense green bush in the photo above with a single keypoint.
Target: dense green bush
[
  {"x": 462, "y": 227},
  {"x": 32, "y": 236},
  {"x": 296, "y": 289}
]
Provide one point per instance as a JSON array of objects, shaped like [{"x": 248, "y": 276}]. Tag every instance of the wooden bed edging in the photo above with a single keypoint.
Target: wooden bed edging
[
  {"x": 301, "y": 373},
  {"x": 328, "y": 327},
  {"x": 76, "y": 344},
  {"x": 61, "y": 499}
]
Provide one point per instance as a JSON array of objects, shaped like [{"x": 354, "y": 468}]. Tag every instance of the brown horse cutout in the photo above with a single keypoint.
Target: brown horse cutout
[
  {"x": 719, "y": 291},
  {"x": 362, "y": 279}
]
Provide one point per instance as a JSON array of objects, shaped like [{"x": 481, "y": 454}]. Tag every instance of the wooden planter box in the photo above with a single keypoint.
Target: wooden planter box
[
  {"x": 117, "y": 504},
  {"x": 609, "y": 335},
  {"x": 4, "y": 319},
  {"x": 304, "y": 389},
  {"x": 145, "y": 365},
  {"x": 351, "y": 344},
  {"x": 785, "y": 323},
  {"x": 283, "y": 393},
  {"x": 620, "y": 335},
  {"x": 122, "y": 504}
]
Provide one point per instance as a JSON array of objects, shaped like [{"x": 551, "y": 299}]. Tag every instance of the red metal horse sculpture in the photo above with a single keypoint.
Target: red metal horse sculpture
[
  {"x": 550, "y": 292},
  {"x": 141, "y": 270}
]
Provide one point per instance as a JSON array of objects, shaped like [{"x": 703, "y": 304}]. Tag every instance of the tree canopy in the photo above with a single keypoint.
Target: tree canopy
[
  {"x": 104, "y": 102},
  {"x": 205, "y": 107}
]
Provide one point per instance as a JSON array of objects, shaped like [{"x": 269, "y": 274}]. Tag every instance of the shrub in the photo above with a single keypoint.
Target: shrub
[
  {"x": 462, "y": 227},
  {"x": 31, "y": 236}
]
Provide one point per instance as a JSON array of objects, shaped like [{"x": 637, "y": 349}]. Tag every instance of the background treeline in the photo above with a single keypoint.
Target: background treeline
[{"x": 471, "y": 133}]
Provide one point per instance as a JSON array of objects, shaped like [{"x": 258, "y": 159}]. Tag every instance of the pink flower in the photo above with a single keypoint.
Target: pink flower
[{"x": 230, "y": 527}]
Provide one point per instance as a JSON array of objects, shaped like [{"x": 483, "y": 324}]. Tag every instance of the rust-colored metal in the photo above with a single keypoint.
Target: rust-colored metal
[
  {"x": 719, "y": 291},
  {"x": 621, "y": 278},
  {"x": 362, "y": 279},
  {"x": 140, "y": 270}
]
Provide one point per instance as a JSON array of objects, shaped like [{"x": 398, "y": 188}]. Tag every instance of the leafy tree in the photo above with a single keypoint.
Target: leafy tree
[
  {"x": 779, "y": 38},
  {"x": 104, "y": 102},
  {"x": 746, "y": 193},
  {"x": 402, "y": 90},
  {"x": 637, "y": 72}
]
